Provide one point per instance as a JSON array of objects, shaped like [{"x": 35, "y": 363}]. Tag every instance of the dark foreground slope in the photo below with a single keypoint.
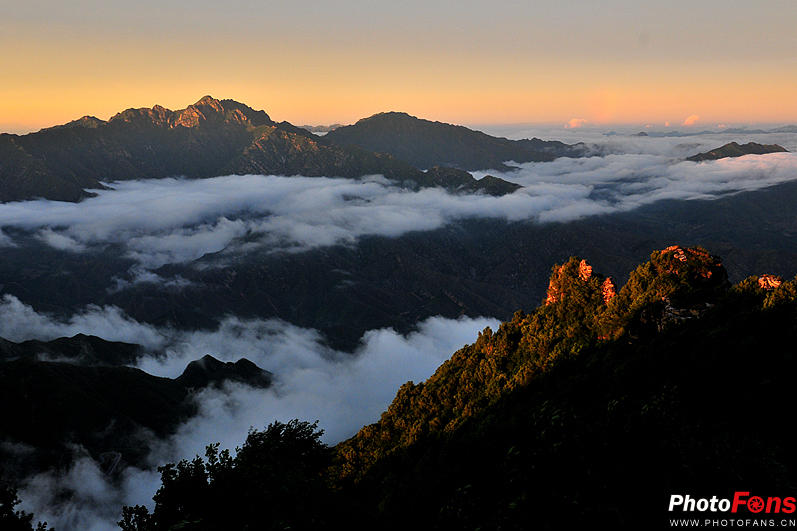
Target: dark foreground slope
[
  {"x": 589, "y": 412},
  {"x": 593, "y": 409}
]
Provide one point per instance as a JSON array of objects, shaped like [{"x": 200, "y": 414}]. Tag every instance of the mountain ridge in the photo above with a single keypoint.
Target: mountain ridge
[
  {"x": 424, "y": 143},
  {"x": 552, "y": 419},
  {"x": 208, "y": 138},
  {"x": 733, "y": 149}
]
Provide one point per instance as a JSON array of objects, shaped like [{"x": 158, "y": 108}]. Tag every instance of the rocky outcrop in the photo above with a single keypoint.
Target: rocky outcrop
[
  {"x": 570, "y": 275},
  {"x": 769, "y": 282},
  {"x": 678, "y": 284},
  {"x": 609, "y": 290},
  {"x": 584, "y": 271}
]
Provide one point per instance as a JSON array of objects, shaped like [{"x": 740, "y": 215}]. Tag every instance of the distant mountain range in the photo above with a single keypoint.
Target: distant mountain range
[
  {"x": 224, "y": 137},
  {"x": 728, "y": 131}
]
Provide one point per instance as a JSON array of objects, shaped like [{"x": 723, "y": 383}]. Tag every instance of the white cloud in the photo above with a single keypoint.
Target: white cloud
[
  {"x": 575, "y": 123},
  {"x": 83, "y": 498},
  {"x": 691, "y": 120},
  {"x": 60, "y": 241},
  {"x": 19, "y": 322}
]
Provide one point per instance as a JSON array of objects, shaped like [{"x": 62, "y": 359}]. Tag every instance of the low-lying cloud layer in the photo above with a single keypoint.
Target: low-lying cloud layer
[
  {"x": 177, "y": 221},
  {"x": 312, "y": 382}
]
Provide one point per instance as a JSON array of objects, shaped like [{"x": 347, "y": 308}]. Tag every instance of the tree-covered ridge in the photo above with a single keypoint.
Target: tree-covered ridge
[
  {"x": 595, "y": 407},
  {"x": 580, "y": 311},
  {"x": 683, "y": 396}
]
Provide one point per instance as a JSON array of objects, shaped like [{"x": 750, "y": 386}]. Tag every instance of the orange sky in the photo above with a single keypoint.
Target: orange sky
[{"x": 319, "y": 62}]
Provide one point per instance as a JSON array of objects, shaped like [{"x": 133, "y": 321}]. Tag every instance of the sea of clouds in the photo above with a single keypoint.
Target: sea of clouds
[{"x": 177, "y": 221}]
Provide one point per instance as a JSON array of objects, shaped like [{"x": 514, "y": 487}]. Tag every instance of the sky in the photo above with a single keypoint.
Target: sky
[{"x": 320, "y": 62}]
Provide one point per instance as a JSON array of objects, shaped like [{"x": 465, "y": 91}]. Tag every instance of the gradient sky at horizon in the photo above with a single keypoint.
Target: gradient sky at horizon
[{"x": 467, "y": 62}]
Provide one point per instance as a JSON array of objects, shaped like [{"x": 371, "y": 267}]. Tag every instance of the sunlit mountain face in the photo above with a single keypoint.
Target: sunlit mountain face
[{"x": 345, "y": 285}]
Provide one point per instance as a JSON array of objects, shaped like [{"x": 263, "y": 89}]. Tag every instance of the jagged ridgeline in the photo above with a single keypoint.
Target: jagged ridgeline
[
  {"x": 595, "y": 407},
  {"x": 220, "y": 137},
  {"x": 581, "y": 310}
]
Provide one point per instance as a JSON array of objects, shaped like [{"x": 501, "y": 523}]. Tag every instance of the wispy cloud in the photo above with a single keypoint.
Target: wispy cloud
[
  {"x": 60, "y": 241},
  {"x": 5, "y": 240}
]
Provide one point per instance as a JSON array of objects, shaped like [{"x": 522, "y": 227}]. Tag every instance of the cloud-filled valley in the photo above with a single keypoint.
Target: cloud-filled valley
[{"x": 173, "y": 221}]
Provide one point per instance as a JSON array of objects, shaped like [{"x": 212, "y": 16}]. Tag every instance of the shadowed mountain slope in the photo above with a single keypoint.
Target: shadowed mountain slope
[
  {"x": 210, "y": 138},
  {"x": 425, "y": 144},
  {"x": 79, "y": 391},
  {"x": 207, "y": 139},
  {"x": 592, "y": 407}
]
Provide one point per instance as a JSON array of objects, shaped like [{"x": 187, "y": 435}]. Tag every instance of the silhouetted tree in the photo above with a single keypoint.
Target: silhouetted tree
[{"x": 277, "y": 480}]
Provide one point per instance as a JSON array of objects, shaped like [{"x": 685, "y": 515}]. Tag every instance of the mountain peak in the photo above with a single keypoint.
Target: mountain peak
[
  {"x": 426, "y": 144},
  {"x": 208, "y": 100},
  {"x": 733, "y": 149},
  {"x": 209, "y": 371},
  {"x": 209, "y": 109},
  {"x": 89, "y": 122}
]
